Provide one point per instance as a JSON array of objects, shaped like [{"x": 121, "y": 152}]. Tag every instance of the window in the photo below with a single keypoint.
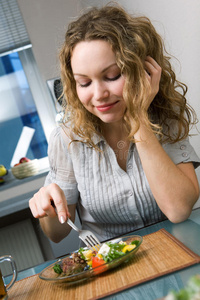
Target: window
[
  {"x": 24, "y": 101},
  {"x": 17, "y": 110}
]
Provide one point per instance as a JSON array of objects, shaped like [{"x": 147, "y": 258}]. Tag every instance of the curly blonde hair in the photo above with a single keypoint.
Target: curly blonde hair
[{"x": 132, "y": 39}]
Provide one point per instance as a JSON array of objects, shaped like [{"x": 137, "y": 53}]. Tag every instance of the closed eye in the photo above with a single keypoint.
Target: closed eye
[
  {"x": 114, "y": 78},
  {"x": 85, "y": 84},
  {"x": 107, "y": 79}
]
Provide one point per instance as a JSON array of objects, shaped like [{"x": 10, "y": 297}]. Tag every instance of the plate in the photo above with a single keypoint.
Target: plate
[{"x": 48, "y": 273}]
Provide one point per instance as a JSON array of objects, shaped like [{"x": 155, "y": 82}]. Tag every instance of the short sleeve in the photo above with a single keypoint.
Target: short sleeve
[
  {"x": 182, "y": 152},
  {"x": 61, "y": 167}
]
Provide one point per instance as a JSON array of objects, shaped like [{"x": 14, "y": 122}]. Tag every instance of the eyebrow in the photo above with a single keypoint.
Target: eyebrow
[{"x": 104, "y": 70}]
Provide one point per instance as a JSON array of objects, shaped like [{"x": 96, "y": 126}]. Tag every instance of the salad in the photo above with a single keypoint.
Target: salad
[{"x": 86, "y": 259}]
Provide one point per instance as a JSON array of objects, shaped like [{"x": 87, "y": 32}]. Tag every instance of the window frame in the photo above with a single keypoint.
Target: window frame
[{"x": 41, "y": 95}]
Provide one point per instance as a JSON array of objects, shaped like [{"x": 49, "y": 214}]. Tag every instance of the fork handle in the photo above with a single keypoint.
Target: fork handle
[{"x": 72, "y": 225}]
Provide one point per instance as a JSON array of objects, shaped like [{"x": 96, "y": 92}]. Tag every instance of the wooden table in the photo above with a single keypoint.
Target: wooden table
[{"x": 153, "y": 287}]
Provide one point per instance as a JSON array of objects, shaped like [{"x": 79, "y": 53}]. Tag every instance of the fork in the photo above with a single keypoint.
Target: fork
[{"x": 89, "y": 239}]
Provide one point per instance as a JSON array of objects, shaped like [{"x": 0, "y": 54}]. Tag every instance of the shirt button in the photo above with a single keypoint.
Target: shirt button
[
  {"x": 130, "y": 193},
  {"x": 182, "y": 147},
  {"x": 129, "y": 166},
  {"x": 184, "y": 154}
]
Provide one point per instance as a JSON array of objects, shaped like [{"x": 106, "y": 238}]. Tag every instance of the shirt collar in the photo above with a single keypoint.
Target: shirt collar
[{"x": 95, "y": 138}]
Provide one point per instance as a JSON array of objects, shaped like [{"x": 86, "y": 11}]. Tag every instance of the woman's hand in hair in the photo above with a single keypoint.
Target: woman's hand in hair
[{"x": 153, "y": 72}]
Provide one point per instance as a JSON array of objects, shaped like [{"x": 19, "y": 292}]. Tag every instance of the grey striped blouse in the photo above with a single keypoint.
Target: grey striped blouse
[{"x": 110, "y": 201}]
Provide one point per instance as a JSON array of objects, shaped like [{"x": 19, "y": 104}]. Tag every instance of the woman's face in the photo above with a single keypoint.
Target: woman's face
[{"x": 99, "y": 83}]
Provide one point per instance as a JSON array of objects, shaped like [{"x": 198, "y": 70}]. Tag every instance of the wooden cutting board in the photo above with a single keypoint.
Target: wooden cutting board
[{"x": 159, "y": 254}]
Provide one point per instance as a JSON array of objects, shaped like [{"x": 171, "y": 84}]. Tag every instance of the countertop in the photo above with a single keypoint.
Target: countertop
[{"x": 15, "y": 193}]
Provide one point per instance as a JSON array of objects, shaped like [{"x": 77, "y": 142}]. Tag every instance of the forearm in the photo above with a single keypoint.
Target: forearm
[
  {"x": 174, "y": 191},
  {"x": 53, "y": 229}
]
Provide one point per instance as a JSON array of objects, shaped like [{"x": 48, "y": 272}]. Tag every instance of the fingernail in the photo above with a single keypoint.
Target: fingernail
[{"x": 62, "y": 220}]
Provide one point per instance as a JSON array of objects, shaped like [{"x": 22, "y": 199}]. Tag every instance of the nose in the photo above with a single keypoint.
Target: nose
[{"x": 100, "y": 91}]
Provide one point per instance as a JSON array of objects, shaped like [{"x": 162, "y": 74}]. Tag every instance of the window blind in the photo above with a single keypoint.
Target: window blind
[{"x": 13, "y": 34}]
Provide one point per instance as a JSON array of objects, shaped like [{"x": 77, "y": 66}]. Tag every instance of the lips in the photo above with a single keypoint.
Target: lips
[{"x": 106, "y": 107}]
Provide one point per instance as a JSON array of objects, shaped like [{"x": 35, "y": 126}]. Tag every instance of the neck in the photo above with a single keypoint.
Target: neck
[
  {"x": 114, "y": 133},
  {"x": 116, "y": 136},
  {"x": 115, "y": 130}
]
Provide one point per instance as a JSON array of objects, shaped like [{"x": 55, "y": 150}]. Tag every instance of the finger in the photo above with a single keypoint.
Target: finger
[
  {"x": 153, "y": 62},
  {"x": 152, "y": 68},
  {"x": 33, "y": 208},
  {"x": 153, "y": 77},
  {"x": 43, "y": 203},
  {"x": 60, "y": 202},
  {"x": 40, "y": 204},
  {"x": 148, "y": 76}
]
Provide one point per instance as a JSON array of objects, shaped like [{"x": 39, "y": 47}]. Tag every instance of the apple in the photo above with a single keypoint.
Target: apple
[
  {"x": 3, "y": 170},
  {"x": 23, "y": 160},
  {"x": 17, "y": 164}
]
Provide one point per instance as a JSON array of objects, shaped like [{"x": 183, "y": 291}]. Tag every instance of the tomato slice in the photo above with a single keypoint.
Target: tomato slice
[{"x": 98, "y": 263}]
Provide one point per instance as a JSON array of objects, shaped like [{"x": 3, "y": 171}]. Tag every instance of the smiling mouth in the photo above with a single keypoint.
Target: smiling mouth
[{"x": 106, "y": 107}]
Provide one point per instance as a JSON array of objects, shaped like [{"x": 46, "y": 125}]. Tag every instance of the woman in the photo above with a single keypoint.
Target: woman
[{"x": 122, "y": 155}]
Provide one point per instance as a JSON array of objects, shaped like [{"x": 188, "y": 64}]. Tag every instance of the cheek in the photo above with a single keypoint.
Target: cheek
[
  {"x": 119, "y": 87},
  {"x": 83, "y": 96}
]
